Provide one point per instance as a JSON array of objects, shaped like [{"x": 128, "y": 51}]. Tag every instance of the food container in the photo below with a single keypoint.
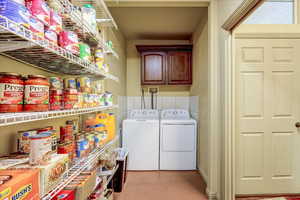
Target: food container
[
  {"x": 99, "y": 58},
  {"x": 53, "y": 139},
  {"x": 11, "y": 92},
  {"x": 108, "y": 99},
  {"x": 37, "y": 27},
  {"x": 40, "y": 148},
  {"x": 19, "y": 184},
  {"x": 69, "y": 41},
  {"x": 82, "y": 147},
  {"x": 56, "y": 98},
  {"x": 50, "y": 174},
  {"x": 67, "y": 148},
  {"x": 55, "y": 22},
  {"x": 15, "y": 12},
  {"x": 97, "y": 86},
  {"x": 89, "y": 14},
  {"x": 70, "y": 98},
  {"x": 51, "y": 36},
  {"x": 36, "y": 96},
  {"x": 40, "y": 10},
  {"x": 55, "y": 83},
  {"x": 84, "y": 84},
  {"x": 84, "y": 52},
  {"x": 91, "y": 140},
  {"x": 66, "y": 134},
  {"x": 24, "y": 140},
  {"x": 65, "y": 195},
  {"x": 69, "y": 83}
]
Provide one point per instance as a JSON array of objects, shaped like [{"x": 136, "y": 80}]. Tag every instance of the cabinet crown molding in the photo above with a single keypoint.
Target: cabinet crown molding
[{"x": 144, "y": 48}]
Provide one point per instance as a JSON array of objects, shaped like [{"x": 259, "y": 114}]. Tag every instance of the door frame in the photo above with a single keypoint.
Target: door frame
[{"x": 234, "y": 31}]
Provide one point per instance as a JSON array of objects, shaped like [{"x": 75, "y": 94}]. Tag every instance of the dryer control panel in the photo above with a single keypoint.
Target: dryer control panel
[
  {"x": 175, "y": 114},
  {"x": 146, "y": 114}
]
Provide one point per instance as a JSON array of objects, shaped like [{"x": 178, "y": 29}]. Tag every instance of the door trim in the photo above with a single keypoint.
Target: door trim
[{"x": 243, "y": 11}]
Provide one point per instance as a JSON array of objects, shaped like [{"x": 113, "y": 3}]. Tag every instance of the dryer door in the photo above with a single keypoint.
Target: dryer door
[{"x": 178, "y": 147}]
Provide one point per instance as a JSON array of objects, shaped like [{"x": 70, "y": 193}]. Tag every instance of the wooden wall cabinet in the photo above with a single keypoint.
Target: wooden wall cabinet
[{"x": 166, "y": 65}]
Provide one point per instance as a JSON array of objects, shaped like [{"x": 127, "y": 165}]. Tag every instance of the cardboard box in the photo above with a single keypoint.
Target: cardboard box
[
  {"x": 19, "y": 184},
  {"x": 65, "y": 195},
  {"x": 50, "y": 175},
  {"x": 83, "y": 185}
]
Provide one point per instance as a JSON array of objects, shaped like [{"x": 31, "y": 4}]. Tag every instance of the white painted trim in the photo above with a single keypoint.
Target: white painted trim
[
  {"x": 203, "y": 174},
  {"x": 245, "y": 9},
  {"x": 215, "y": 124}
]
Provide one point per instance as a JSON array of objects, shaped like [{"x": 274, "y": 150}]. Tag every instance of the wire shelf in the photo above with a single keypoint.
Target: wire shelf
[
  {"x": 77, "y": 168},
  {"x": 22, "y": 44},
  {"x": 24, "y": 117}
]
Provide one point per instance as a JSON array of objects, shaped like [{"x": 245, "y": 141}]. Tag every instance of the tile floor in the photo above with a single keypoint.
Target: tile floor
[{"x": 163, "y": 185}]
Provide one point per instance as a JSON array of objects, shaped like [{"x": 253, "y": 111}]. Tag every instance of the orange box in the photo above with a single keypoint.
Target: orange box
[{"x": 19, "y": 184}]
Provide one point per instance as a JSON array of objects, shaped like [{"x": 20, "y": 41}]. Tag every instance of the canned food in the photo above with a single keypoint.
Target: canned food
[
  {"x": 67, "y": 148},
  {"x": 66, "y": 134},
  {"x": 56, "y": 98},
  {"x": 69, "y": 83},
  {"x": 40, "y": 148},
  {"x": 11, "y": 92},
  {"x": 82, "y": 147},
  {"x": 55, "y": 83},
  {"x": 36, "y": 96},
  {"x": 24, "y": 140},
  {"x": 84, "y": 84},
  {"x": 70, "y": 98}
]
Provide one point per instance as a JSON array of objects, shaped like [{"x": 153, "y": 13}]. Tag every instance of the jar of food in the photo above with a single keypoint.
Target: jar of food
[
  {"x": 55, "y": 83},
  {"x": 11, "y": 92},
  {"x": 56, "y": 97},
  {"x": 36, "y": 96},
  {"x": 84, "y": 84},
  {"x": 69, "y": 83},
  {"x": 70, "y": 98}
]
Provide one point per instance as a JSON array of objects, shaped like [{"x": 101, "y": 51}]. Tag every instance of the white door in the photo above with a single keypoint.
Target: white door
[
  {"x": 267, "y": 108},
  {"x": 141, "y": 138},
  {"x": 178, "y": 147}
]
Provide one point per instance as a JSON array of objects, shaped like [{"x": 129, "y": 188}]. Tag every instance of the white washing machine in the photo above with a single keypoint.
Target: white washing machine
[
  {"x": 141, "y": 138},
  {"x": 178, "y": 140}
]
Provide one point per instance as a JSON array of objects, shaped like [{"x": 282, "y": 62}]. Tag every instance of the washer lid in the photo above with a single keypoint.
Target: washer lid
[{"x": 145, "y": 114}]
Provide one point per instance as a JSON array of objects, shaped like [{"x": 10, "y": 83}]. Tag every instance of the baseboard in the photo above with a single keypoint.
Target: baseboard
[
  {"x": 211, "y": 195},
  {"x": 203, "y": 174}
]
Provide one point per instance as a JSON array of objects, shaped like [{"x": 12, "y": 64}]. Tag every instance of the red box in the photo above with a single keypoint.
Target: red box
[{"x": 65, "y": 195}]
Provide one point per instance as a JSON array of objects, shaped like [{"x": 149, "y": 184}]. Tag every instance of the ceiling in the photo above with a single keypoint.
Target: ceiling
[{"x": 156, "y": 23}]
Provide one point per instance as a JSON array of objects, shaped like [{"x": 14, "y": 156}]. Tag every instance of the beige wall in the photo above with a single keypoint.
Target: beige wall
[
  {"x": 200, "y": 89},
  {"x": 134, "y": 73},
  {"x": 118, "y": 68}
]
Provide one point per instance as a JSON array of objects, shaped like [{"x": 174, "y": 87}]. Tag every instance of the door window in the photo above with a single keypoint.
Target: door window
[{"x": 273, "y": 12}]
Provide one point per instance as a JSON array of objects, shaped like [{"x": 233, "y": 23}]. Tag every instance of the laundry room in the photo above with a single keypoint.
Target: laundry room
[{"x": 113, "y": 104}]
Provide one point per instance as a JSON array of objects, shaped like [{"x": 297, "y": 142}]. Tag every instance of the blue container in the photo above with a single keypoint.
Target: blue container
[{"x": 15, "y": 12}]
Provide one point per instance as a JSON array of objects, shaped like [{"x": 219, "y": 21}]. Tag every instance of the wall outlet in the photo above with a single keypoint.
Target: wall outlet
[{"x": 153, "y": 90}]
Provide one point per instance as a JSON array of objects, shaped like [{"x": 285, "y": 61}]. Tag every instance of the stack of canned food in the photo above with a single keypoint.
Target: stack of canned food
[{"x": 39, "y": 93}]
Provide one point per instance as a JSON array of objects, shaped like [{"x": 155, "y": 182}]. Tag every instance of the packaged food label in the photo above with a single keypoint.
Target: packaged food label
[
  {"x": 36, "y": 94},
  {"x": 11, "y": 93}
]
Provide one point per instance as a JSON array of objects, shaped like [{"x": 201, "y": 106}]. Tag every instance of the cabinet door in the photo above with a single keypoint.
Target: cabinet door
[
  {"x": 153, "y": 68},
  {"x": 179, "y": 68}
]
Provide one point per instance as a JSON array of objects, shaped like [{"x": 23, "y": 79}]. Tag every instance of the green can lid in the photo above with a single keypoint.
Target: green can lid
[{"x": 88, "y": 6}]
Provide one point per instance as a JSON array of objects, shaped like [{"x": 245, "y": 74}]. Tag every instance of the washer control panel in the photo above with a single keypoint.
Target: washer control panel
[
  {"x": 144, "y": 114},
  {"x": 175, "y": 114}
]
